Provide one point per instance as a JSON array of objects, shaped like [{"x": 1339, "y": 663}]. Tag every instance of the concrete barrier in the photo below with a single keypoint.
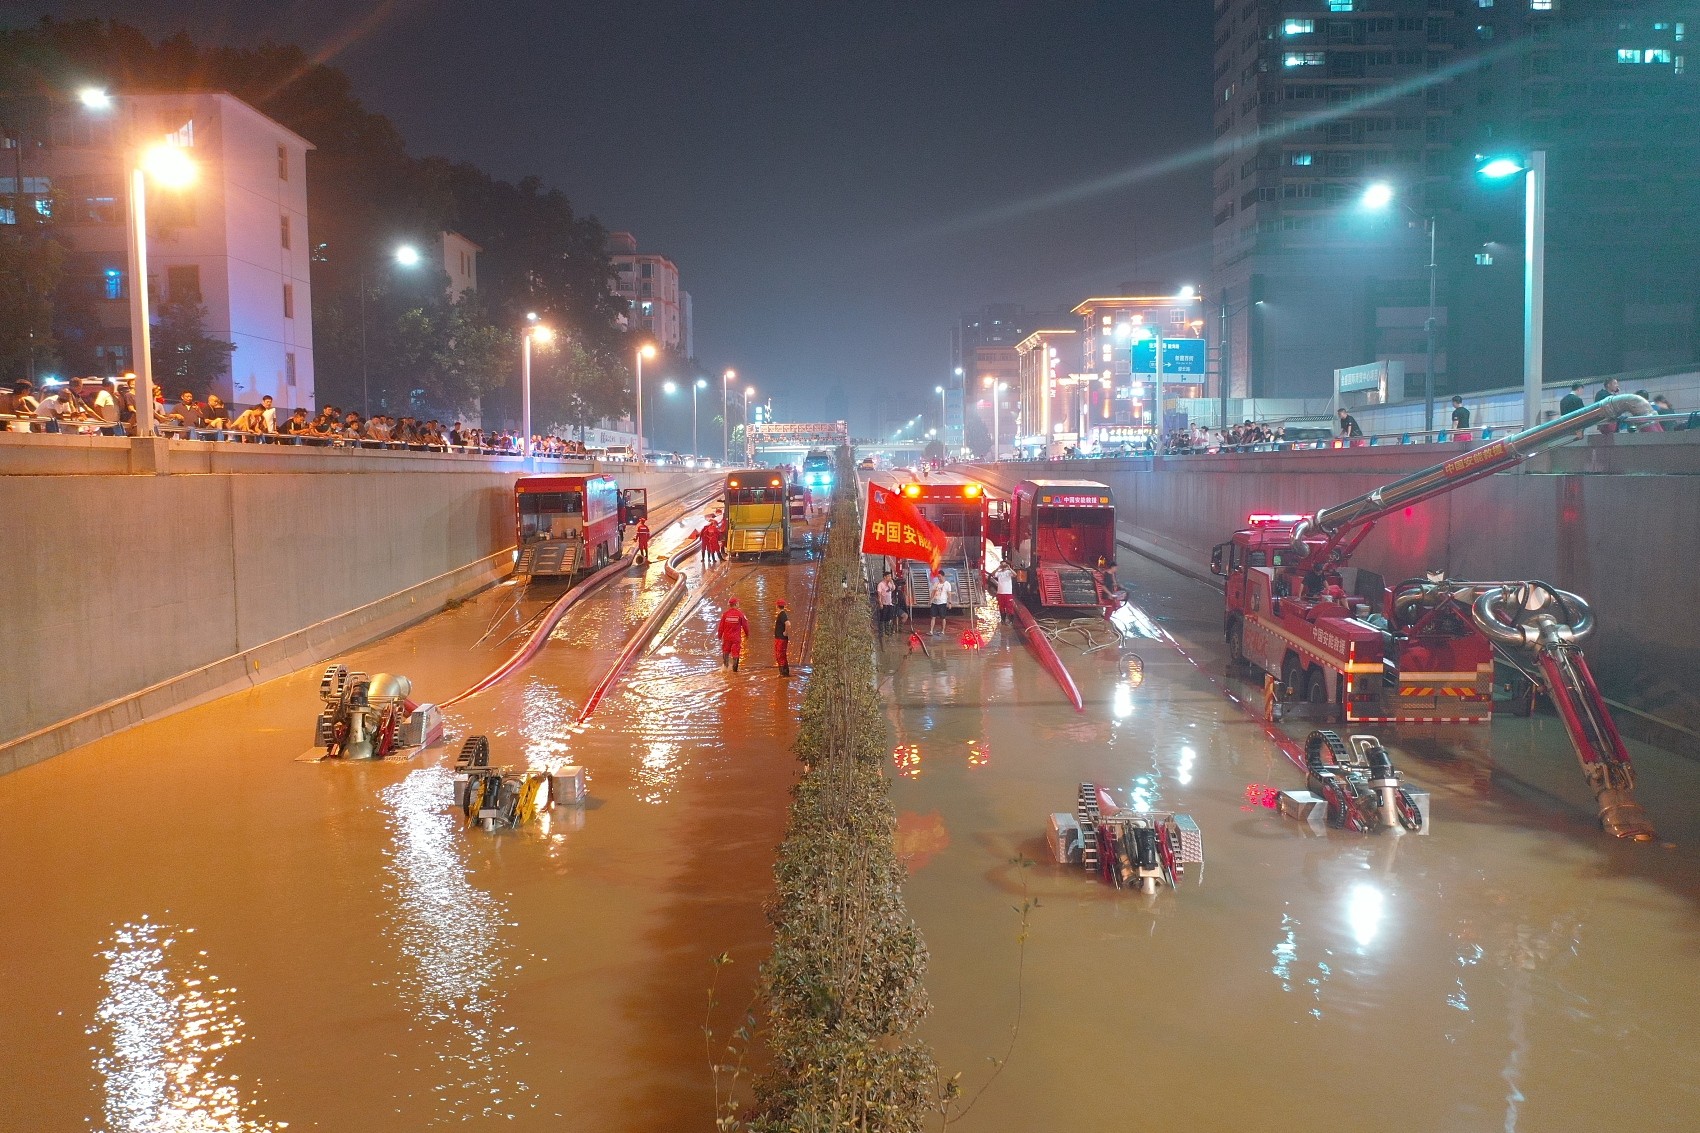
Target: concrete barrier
[
  {"x": 1616, "y": 522},
  {"x": 141, "y": 577}
]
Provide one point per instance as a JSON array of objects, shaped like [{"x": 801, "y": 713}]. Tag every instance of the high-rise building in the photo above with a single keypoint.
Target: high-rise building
[
  {"x": 234, "y": 242},
  {"x": 1109, "y": 326},
  {"x": 649, "y": 284},
  {"x": 1318, "y": 99},
  {"x": 1047, "y": 396}
]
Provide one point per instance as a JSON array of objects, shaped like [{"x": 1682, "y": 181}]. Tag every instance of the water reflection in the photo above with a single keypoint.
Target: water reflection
[
  {"x": 450, "y": 932},
  {"x": 658, "y": 771},
  {"x": 168, "y": 1026},
  {"x": 1365, "y": 905}
]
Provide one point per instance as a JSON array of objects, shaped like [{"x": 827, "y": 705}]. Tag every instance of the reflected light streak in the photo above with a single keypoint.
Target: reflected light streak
[
  {"x": 1121, "y": 701},
  {"x": 1364, "y": 908},
  {"x": 907, "y": 759},
  {"x": 978, "y": 756},
  {"x": 1184, "y": 772},
  {"x": 450, "y": 932},
  {"x": 658, "y": 771},
  {"x": 168, "y": 1026}
]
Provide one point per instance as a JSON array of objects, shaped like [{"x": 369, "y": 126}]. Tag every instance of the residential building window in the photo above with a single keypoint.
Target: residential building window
[
  {"x": 183, "y": 283},
  {"x": 648, "y": 271},
  {"x": 282, "y": 163},
  {"x": 1339, "y": 5},
  {"x": 1304, "y": 59},
  {"x": 289, "y": 369},
  {"x": 1543, "y": 5},
  {"x": 1484, "y": 3},
  {"x": 289, "y": 300},
  {"x": 1302, "y": 158},
  {"x": 646, "y": 288},
  {"x": 648, "y": 309},
  {"x": 112, "y": 284},
  {"x": 283, "y": 230},
  {"x": 1298, "y": 27}
]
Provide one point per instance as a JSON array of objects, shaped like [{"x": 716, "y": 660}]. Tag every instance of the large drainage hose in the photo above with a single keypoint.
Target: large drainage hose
[
  {"x": 1047, "y": 654},
  {"x": 645, "y": 631}
]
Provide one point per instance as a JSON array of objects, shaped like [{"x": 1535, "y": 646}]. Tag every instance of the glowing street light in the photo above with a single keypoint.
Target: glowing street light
[
  {"x": 1378, "y": 195},
  {"x": 647, "y": 350},
  {"x": 700, "y": 383},
  {"x": 407, "y": 256},
  {"x": 94, "y": 98},
  {"x": 534, "y": 332},
  {"x": 1534, "y": 267}
]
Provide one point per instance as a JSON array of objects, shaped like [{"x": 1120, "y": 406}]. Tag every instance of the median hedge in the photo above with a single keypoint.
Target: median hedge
[{"x": 843, "y": 986}]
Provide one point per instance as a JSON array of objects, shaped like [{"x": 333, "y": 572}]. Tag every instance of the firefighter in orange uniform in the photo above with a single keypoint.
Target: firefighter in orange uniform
[{"x": 733, "y": 628}]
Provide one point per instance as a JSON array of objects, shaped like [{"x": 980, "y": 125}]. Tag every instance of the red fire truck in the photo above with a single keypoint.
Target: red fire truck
[
  {"x": 959, "y": 507},
  {"x": 1060, "y": 536},
  {"x": 570, "y": 525},
  {"x": 1422, "y": 651}
]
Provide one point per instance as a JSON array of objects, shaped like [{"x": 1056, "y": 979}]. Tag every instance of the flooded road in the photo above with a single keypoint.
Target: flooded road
[
  {"x": 203, "y": 934},
  {"x": 1514, "y": 970}
]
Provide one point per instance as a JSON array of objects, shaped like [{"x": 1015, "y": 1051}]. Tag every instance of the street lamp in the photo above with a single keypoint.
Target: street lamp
[
  {"x": 647, "y": 350},
  {"x": 940, "y": 391},
  {"x": 726, "y": 380},
  {"x": 700, "y": 383},
  {"x": 534, "y": 331},
  {"x": 1534, "y": 268},
  {"x": 1378, "y": 196},
  {"x": 407, "y": 256},
  {"x": 172, "y": 168}
]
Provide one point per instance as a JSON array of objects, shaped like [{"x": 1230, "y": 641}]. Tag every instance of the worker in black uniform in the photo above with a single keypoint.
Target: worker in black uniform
[{"x": 782, "y": 639}]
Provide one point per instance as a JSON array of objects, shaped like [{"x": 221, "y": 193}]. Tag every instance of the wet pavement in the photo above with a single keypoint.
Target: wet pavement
[
  {"x": 207, "y": 935},
  {"x": 1514, "y": 969}
]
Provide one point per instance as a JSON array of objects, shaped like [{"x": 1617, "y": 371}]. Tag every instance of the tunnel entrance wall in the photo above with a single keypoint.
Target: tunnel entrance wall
[
  {"x": 1618, "y": 524},
  {"x": 145, "y": 576}
]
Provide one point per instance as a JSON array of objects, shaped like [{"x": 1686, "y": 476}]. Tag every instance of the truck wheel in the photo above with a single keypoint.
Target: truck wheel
[
  {"x": 1316, "y": 687},
  {"x": 1236, "y": 641},
  {"x": 1293, "y": 676}
]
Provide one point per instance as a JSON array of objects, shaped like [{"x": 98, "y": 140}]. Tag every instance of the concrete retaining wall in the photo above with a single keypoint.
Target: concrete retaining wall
[
  {"x": 1616, "y": 523},
  {"x": 145, "y": 576}
]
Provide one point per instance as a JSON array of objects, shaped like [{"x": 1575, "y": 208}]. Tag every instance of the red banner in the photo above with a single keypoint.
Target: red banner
[{"x": 892, "y": 526}]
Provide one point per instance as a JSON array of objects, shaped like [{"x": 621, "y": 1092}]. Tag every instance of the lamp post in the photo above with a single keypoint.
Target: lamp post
[
  {"x": 940, "y": 391},
  {"x": 700, "y": 383},
  {"x": 540, "y": 333},
  {"x": 647, "y": 350},
  {"x": 1378, "y": 196},
  {"x": 172, "y": 167},
  {"x": 726, "y": 380},
  {"x": 1534, "y": 269},
  {"x": 749, "y": 392},
  {"x": 406, "y": 256}
]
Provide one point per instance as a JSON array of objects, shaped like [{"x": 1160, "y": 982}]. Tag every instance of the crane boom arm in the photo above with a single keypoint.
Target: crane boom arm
[{"x": 1347, "y": 523}]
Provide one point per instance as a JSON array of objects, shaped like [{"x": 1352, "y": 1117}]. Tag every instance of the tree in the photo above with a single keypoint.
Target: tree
[
  {"x": 184, "y": 357},
  {"x": 31, "y": 268},
  {"x": 934, "y": 450}
]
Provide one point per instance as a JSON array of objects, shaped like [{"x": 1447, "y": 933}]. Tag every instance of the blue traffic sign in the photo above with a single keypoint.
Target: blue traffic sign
[{"x": 1182, "y": 357}]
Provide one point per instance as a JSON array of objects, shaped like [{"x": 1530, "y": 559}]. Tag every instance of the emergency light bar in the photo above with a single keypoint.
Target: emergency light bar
[
  {"x": 1266, "y": 519},
  {"x": 912, "y": 490},
  {"x": 732, "y": 483},
  {"x": 971, "y": 491},
  {"x": 775, "y": 483}
]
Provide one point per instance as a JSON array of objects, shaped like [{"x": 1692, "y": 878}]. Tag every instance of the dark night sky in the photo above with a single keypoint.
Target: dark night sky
[{"x": 837, "y": 182}]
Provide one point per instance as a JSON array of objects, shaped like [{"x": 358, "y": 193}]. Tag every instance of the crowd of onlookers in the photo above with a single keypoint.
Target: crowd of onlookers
[{"x": 90, "y": 405}]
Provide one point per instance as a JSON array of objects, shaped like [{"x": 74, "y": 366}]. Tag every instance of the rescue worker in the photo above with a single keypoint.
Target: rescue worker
[
  {"x": 716, "y": 534},
  {"x": 733, "y": 628},
  {"x": 643, "y": 540},
  {"x": 782, "y": 639},
  {"x": 1003, "y": 581}
]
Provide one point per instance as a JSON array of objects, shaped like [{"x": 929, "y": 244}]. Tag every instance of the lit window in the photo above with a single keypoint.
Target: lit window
[
  {"x": 1680, "y": 32},
  {"x": 1339, "y": 5},
  {"x": 1543, "y": 5},
  {"x": 112, "y": 283},
  {"x": 1628, "y": 55},
  {"x": 1484, "y": 3},
  {"x": 1304, "y": 59},
  {"x": 1298, "y": 27},
  {"x": 1300, "y": 158},
  {"x": 1656, "y": 55}
]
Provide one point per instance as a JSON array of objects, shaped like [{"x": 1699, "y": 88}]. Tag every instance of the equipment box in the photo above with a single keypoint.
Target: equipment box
[
  {"x": 1305, "y": 807},
  {"x": 1062, "y": 836}
]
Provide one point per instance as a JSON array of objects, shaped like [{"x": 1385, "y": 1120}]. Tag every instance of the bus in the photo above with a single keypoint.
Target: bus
[
  {"x": 758, "y": 512},
  {"x": 569, "y": 525},
  {"x": 817, "y": 471}
]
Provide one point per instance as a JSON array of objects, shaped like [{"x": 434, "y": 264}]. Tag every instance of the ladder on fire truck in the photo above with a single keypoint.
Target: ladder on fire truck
[
  {"x": 548, "y": 558},
  {"x": 966, "y": 586}
]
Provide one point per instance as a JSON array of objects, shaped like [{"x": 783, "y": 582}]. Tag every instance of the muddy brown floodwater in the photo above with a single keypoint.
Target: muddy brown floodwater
[
  {"x": 1514, "y": 970},
  {"x": 203, "y": 934}
]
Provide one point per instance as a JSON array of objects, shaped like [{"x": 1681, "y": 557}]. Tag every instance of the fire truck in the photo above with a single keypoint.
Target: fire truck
[
  {"x": 1060, "y": 537},
  {"x": 961, "y": 508},
  {"x": 1422, "y": 651},
  {"x": 569, "y": 525}
]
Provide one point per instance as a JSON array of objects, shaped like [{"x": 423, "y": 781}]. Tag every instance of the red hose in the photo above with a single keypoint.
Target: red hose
[
  {"x": 645, "y": 631},
  {"x": 1047, "y": 654}
]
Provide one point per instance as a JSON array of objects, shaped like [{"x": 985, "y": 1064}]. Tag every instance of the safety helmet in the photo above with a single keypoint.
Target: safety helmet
[
  {"x": 733, "y": 602},
  {"x": 781, "y": 603}
]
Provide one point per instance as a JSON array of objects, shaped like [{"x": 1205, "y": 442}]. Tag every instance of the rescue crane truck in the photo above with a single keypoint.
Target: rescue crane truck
[
  {"x": 758, "y": 512},
  {"x": 570, "y": 525},
  {"x": 959, "y": 507},
  {"x": 1060, "y": 538},
  {"x": 1426, "y": 655}
]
